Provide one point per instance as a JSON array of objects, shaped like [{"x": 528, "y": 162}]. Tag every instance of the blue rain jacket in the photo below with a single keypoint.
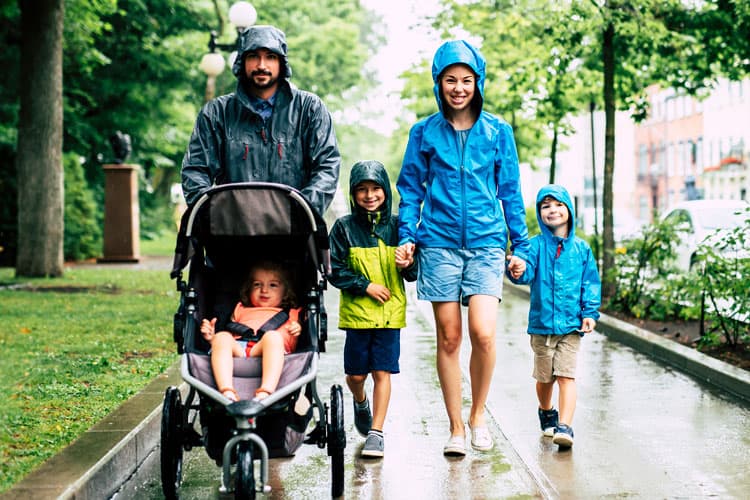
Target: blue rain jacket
[
  {"x": 565, "y": 287},
  {"x": 450, "y": 203}
]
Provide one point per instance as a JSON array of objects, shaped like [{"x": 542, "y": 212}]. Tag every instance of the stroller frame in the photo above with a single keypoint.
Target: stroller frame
[{"x": 222, "y": 212}]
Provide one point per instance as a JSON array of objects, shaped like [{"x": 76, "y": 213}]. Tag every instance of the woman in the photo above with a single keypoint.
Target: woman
[{"x": 460, "y": 187}]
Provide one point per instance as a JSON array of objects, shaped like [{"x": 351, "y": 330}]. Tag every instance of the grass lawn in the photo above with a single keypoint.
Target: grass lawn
[{"x": 74, "y": 348}]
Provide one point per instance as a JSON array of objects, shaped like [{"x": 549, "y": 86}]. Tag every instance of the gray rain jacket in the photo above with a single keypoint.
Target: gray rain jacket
[{"x": 296, "y": 146}]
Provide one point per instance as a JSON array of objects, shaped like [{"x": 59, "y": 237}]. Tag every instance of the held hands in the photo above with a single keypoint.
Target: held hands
[
  {"x": 208, "y": 329},
  {"x": 588, "y": 325},
  {"x": 405, "y": 255},
  {"x": 378, "y": 292},
  {"x": 516, "y": 266}
]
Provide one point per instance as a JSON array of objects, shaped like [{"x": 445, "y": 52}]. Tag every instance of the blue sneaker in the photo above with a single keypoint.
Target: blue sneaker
[
  {"x": 362, "y": 417},
  {"x": 548, "y": 421},
  {"x": 563, "y": 436}
]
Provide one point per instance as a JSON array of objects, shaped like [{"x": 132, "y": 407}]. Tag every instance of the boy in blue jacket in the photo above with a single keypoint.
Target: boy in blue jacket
[{"x": 565, "y": 297}]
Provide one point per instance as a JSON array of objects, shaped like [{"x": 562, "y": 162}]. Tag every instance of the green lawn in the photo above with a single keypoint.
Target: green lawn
[{"x": 74, "y": 348}]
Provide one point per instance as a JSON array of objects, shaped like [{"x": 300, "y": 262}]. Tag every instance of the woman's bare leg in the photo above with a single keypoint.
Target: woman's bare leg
[{"x": 448, "y": 336}]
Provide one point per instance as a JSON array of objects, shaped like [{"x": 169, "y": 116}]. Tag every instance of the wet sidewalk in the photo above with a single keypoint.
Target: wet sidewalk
[{"x": 643, "y": 430}]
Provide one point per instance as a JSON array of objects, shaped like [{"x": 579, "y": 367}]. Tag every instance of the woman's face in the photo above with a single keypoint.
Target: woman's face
[
  {"x": 457, "y": 87},
  {"x": 267, "y": 290}
]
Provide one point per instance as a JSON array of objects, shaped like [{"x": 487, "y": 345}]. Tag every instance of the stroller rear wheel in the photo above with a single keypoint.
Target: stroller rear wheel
[
  {"x": 171, "y": 443},
  {"x": 337, "y": 441},
  {"x": 244, "y": 487}
]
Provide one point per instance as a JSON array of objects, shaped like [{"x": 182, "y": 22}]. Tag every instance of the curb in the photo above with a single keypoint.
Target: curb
[{"x": 95, "y": 465}]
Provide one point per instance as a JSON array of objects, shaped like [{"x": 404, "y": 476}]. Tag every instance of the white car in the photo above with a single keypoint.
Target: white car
[{"x": 699, "y": 219}]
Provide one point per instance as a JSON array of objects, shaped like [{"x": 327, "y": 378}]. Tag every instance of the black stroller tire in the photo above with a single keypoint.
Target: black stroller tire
[
  {"x": 337, "y": 441},
  {"x": 244, "y": 487},
  {"x": 171, "y": 443}
]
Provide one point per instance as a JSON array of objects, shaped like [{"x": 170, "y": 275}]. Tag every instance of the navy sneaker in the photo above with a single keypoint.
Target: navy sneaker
[
  {"x": 362, "y": 417},
  {"x": 374, "y": 445},
  {"x": 548, "y": 421},
  {"x": 563, "y": 436}
]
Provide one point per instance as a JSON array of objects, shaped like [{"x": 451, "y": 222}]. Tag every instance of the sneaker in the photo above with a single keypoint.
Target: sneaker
[
  {"x": 455, "y": 447},
  {"x": 481, "y": 439},
  {"x": 374, "y": 445},
  {"x": 548, "y": 421},
  {"x": 563, "y": 436},
  {"x": 362, "y": 417}
]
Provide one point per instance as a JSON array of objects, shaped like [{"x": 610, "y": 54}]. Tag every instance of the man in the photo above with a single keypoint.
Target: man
[{"x": 267, "y": 130}]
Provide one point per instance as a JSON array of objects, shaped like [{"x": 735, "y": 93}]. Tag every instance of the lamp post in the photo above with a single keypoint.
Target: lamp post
[{"x": 242, "y": 15}]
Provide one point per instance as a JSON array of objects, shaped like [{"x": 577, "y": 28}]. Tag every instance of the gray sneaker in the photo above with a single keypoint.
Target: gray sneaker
[
  {"x": 374, "y": 445},
  {"x": 362, "y": 417}
]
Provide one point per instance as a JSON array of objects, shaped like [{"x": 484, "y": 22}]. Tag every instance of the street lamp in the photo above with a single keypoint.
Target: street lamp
[{"x": 242, "y": 15}]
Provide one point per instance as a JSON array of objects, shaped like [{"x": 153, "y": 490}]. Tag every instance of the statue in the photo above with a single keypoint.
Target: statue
[{"x": 120, "y": 146}]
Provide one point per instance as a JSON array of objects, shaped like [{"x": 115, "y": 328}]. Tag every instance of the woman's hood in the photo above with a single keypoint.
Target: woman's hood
[{"x": 455, "y": 52}]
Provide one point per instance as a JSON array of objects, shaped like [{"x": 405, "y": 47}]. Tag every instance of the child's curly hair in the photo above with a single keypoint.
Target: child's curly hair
[{"x": 289, "y": 300}]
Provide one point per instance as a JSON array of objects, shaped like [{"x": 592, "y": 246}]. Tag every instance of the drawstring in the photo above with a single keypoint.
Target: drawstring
[{"x": 247, "y": 150}]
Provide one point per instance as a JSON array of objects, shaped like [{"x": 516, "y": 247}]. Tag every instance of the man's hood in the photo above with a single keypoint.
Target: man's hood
[
  {"x": 454, "y": 52},
  {"x": 369, "y": 170},
  {"x": 262, "y": 37},
  {"x": 560, "y": 194}
]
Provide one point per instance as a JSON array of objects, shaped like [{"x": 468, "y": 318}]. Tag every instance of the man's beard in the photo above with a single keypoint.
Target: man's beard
[{"x": 253, "y": 84}]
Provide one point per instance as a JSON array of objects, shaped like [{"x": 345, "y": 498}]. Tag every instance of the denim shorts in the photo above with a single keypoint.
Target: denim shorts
[
  {"x": 455, "y": 274},
  {"x": 368, "y": 350}
]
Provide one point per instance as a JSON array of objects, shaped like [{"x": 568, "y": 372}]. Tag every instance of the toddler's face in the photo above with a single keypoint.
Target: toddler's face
[
  {"x": 553, "y": 213},
  {"x": 369, "y": 195},
  {"x": 267, "y": 290}
]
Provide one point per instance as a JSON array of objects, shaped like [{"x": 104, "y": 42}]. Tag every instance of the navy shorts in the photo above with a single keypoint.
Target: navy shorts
[{"x": 368, "y": 350}]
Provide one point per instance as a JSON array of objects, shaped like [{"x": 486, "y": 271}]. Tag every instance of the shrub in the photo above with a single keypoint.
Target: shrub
[{"x": 83, "y": 235}]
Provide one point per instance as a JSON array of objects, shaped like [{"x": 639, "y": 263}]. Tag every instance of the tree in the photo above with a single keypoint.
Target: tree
[{"x": 39, "y": 150}]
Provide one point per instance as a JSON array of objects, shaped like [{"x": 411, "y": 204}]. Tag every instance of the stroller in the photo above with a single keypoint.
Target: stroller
[{"x": 229, "y": 228}]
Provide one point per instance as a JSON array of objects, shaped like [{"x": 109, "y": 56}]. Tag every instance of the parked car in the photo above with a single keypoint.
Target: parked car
[{"x": 700, "y": 219}]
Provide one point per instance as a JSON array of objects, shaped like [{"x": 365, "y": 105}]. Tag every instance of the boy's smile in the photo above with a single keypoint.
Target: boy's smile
[{"x": 554, "y": 214}]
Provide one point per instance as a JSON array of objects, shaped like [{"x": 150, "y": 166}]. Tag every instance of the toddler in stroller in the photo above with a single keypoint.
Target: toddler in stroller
[{"x": 233, "y": 409}]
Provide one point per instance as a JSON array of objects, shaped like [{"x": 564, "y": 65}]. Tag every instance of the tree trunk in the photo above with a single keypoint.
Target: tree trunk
[
  {"x": 39, "y": 148},
  {"x": 553, "y": 156},
  {"x": 608, "y": 56}
]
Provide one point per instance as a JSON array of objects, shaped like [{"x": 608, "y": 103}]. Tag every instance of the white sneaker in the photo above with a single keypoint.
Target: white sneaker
[
  {"x": 455, "y": 447},
  {"x": 481, "y": 439}
]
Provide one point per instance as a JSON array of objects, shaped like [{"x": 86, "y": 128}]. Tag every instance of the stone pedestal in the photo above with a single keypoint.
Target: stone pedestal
[{"x": 121, "y": 214}]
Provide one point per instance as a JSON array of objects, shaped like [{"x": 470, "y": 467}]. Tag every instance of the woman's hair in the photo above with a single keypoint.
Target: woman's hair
[{"x": 290, "y": 298}]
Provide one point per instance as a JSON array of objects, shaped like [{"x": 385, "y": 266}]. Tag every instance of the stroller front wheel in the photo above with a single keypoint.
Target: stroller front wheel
[{"x": 244, "y": 487}]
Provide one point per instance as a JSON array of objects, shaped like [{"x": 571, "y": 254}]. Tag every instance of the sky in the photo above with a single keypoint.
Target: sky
[{"x": 409, "y": 40}]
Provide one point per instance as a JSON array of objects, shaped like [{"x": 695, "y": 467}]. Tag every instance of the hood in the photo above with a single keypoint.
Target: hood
[
  {"x": 369, "y": 170},
  {"x": 560, "y": 194},
  {"x": 262, "y": 37},
  {"x": 454, "y": 52}
]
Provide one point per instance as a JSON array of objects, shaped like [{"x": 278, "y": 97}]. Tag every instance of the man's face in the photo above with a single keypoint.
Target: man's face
[{"x": 262, "y": 68}]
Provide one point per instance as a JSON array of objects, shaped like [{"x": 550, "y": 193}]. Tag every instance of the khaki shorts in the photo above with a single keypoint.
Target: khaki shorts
[{"x": 554, "y": 356}]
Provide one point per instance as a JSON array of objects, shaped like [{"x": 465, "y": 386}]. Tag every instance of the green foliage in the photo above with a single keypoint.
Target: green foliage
[
  {"x": 642, "y": 275},
  {"x": 96, "y": 345},
  {"x": 83, "y": 235},
  {"x": 719, "y": 284}
]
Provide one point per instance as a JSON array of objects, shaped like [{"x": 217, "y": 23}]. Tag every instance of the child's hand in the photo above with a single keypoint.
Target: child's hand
[
  {"x": 378, "y": 292},
  {"x": 516, "y": 266},
  {"x": 208, "y": 329},
  {"x": 588, "y": 325},
  {"x": 405, "y": 255},
  {"x": 294, "y": 328}
]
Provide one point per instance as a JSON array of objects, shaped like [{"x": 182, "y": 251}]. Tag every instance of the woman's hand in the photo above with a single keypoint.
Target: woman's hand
[
  {"x": 405, "y": 255},
  {"x": 208, "y": 329}
]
